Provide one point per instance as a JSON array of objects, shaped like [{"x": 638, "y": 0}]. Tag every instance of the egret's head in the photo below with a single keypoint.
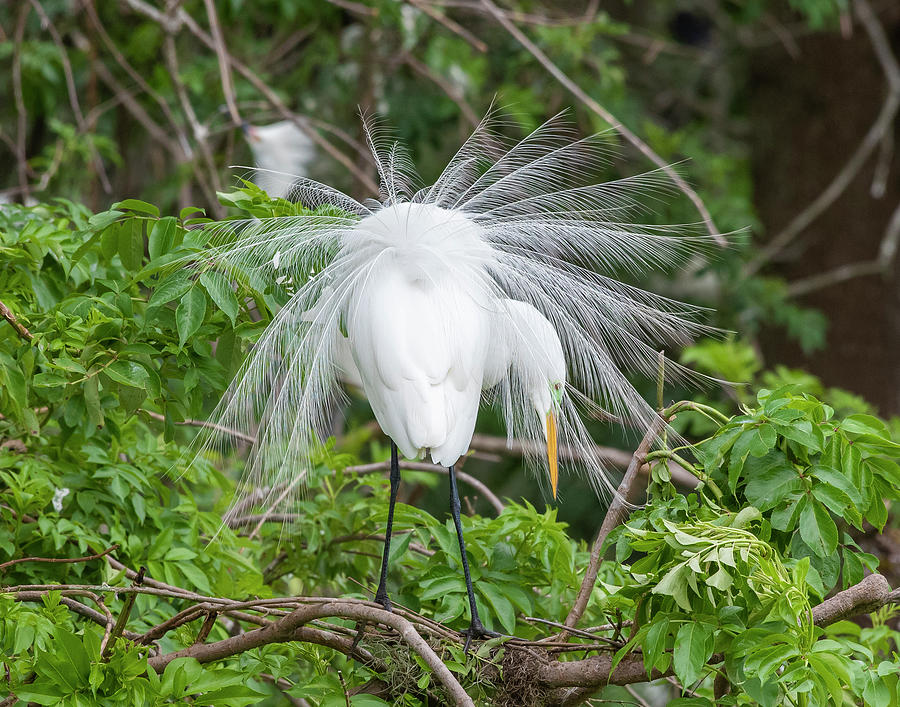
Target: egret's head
[
  {"x": 535, "y": 353},
  {"x": 550, "y": 413},
  {"x": 250, "y": 132},
  {"x": 548, "y": 401}
]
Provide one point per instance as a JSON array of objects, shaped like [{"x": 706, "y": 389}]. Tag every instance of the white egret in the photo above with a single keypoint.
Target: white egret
[
  {"x": 497, "y": 282},
  {"x": 282, "y": 152}
]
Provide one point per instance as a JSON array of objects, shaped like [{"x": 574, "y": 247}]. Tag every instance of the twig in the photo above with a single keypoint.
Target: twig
[
  {"x": 883, "y": 122},
  {"x": 15, "y": 323},
  {"x": 640, "y": 700},
  {"x": 618, "y": 507},
  {"x": 344, "y": 688},
  {"x": 452, "y": 92},
  {"x": 76, "y": 606},
  {"x": 272, "y": 506},
  {"x": 224, "y": 65},
  {"x": 203, "y": 423},
  {"x": 123, "y": 617},
  {"x": 595, "y": 107},
  {"x": 110, "y": 624},
  {"x": 452, "y": 25},
  {"x": 355, "y": 7},
  {"x": 60, "y": 559},
  {"x": 519, "y": 447},
  {"x": 207, "y": 626}
]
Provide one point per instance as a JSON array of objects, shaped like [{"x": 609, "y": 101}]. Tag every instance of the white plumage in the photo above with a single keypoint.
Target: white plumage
[
  {"x": 282, "y": 152},
  {"x": 497, "y": 282}
]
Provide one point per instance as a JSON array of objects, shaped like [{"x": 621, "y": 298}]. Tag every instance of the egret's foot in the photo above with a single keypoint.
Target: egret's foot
[
  {"x": 384, "y": 601},
  {"x": 477, "y": 631}
]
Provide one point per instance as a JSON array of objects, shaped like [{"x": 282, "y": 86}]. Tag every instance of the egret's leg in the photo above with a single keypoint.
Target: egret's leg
[
  {"x": 476, "y": 628},
  {"x": 381, "y": 595}
]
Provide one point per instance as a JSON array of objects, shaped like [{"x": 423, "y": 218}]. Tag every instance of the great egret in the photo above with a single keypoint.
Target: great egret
[
  {"x": 282, "y": 153},
  {"x": 496, "y": 282}
]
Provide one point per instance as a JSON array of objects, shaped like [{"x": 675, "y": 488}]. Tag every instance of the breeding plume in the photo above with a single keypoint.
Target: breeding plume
[{"x": 497, "y": 283}]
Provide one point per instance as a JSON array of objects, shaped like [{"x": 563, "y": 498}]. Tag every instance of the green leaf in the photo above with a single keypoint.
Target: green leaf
[
  {"x": 772, "y": 478},
  {"x": 173, "y": 287},
  {"x": 219, "y": 290},
  {"x": 674, "y": 583},
  {"x": 162, "y": 237},
  {"x": 818, "y": 530},
  {"x": 720, "y": 580},
  {"x": 128, "y": 373},
  {"x": 692, "y": 650},
  {"x": 104, "y": 219},
  {"x": 839, "y": 481},
  {"x": 763, "y": 440},
  {"x": 190, "y": 313},
  {"x": 655, "y": 643},
  {"x": 131, "y": 243},
  {"x": 137, "y": 205},
  {"x": 92, "y": 401},
  {"x": 503, "y": 608}
]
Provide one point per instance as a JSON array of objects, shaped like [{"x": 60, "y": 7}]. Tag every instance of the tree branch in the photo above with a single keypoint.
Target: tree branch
[
  {"x": 88, "y": 558},
  {"x": 595, "y": 107},
  {"x": 15, "y": 323},
  {"x": 224, "y": 64}
]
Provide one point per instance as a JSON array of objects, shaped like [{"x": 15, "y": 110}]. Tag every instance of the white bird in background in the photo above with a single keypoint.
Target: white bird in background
[
  {"x": 282, "y": 153},
  {"x": 497, "y": 282}
]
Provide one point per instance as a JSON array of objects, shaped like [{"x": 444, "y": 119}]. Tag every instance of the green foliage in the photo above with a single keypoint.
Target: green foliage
[
  {"x": 733, "y": 570},
  {"x": 720, "y": 581}
]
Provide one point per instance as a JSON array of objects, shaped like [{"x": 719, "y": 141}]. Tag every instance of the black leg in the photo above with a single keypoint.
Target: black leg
[
  {"x": 476, "y": 628},
  {"x": 381, "y": 595}
]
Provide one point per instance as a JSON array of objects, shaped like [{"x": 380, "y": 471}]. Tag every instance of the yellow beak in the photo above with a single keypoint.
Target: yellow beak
[{"x": 551, "y": 451}]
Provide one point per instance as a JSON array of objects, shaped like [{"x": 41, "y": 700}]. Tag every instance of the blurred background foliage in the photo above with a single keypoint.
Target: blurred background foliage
[
  {"x": 106, "y": 100},
  {"x": 782, "y": 116}
]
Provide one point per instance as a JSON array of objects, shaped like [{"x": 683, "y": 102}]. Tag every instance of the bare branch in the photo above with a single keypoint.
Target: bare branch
[
  {"x": 66, "y": 560},
  {"x": 270, "y": 95},
  {"x": 237, "y": 434},
  {"x": 11, "y": 318},
  {"x": 872, "y": 592},
  {"x": 595, "y": 107},
  {"x": 224, "y": 64},
  {"x": 452, "y": 92},
  {"x": 450, "y": 24},
  {"x": 881, "y": 264}
]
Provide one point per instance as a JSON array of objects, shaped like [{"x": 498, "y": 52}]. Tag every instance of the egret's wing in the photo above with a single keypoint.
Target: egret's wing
[{"x": 419, "y": 347}]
